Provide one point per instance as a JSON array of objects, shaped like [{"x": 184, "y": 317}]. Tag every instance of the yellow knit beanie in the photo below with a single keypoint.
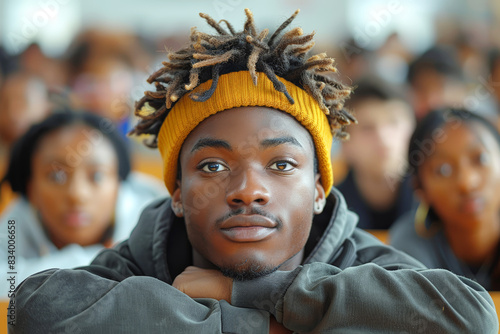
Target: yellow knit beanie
[{"x": 237, "y": 89}]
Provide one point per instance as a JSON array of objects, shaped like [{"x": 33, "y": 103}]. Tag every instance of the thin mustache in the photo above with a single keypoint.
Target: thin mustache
[{"x": 253, "y": 211}]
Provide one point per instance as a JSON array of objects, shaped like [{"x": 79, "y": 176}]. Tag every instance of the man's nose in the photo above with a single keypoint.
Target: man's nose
[{"x": 247, "y": 187}]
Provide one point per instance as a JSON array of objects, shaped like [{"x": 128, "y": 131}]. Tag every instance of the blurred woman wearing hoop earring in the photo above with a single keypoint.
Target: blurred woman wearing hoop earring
[{"x": 454, "y": 156}]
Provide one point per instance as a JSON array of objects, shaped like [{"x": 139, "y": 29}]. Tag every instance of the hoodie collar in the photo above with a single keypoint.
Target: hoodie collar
[{"x": 330, "y": 229}]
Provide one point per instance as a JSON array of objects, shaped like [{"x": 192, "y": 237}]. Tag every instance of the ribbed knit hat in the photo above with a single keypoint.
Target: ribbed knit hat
[{"x": 237, "y": 89}]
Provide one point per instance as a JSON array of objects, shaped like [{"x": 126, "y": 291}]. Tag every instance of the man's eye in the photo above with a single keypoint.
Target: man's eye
[
  {"x": 282, "y": 166},
  {"x": 212, "y": 167}
]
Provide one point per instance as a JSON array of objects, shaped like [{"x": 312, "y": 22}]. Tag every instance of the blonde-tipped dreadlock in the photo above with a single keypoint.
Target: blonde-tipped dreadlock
[{"x": 209, "y": 56}]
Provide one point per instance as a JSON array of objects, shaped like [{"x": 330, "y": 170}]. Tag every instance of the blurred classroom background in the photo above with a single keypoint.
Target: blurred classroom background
[{"x": 96, "y": 55}]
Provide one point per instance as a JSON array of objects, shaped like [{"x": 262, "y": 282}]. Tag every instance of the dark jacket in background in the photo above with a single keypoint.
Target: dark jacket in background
[{"x": 370, "y": 218}]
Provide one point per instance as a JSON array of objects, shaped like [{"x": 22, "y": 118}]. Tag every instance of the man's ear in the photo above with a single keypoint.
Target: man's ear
[
  {"x": 177, "y": 201},
  {"x": 319, "y": 196}
]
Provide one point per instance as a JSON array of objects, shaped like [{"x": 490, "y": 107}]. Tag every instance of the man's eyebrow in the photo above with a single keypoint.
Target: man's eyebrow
[
  {"x": 271, "y": 142},
  {"x": 211, "y": 142}
]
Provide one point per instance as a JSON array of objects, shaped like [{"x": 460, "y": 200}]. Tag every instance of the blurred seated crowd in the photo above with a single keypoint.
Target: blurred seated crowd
[{"x": 423, "y": 162}]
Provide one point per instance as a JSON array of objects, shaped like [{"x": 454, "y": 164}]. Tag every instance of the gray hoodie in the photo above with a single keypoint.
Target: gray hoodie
[{"x": 349, "y": 283}]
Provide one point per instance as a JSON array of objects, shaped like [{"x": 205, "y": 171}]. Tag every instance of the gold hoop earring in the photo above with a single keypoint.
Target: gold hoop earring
[{"x": 420, "y": 218}]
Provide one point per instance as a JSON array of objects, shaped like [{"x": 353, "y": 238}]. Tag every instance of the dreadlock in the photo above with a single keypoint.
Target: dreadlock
[{"x": 208, "y": 57}]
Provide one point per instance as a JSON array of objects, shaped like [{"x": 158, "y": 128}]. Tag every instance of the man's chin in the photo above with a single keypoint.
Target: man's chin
[{"x": 246, "y": 272}]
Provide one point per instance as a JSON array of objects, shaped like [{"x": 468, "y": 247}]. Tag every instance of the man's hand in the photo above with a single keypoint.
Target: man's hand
[
  {"x": 204, "y": 283},
  {"x": 209, "y": 283}
]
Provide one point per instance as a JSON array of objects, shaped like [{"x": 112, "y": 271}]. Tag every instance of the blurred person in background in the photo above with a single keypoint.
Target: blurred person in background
[
  {"x": 436, "y": 80},
  {"x": 375, "y": 187},
  {"x": 78, "y": 195},
  {"x": 51, "y": 70},
  {"x": 391, "y": 60},
  {"x": 103, "y": 71},
  {"x": 103, "y": 87},
  {"x": 494, "y": 84},
  {"x": 24, "y": 100},
  {"x": 455, "y": 162},
  {"x": 353, "y": 59},
  {"x": 101, "y": 67},
  {"x": 477, "y": 63}
]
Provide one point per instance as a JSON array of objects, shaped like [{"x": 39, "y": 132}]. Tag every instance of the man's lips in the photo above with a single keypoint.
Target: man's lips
[
  {"x": 247, "y": 228},
  {"x": 247, "y": 221}
]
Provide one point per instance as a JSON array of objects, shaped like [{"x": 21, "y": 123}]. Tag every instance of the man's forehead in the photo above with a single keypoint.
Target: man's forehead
[
  {"x": 262, "y": 126},
  {"x": 264, "y": 143}
]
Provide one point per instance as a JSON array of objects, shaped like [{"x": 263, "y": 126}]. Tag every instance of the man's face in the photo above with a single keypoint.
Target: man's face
[
  {"x": 379, "y": 143},
  {"x": 248, "y": 190}
]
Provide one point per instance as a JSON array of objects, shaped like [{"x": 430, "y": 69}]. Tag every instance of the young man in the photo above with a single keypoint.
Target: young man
[
  {"x": 375, "y": 186},
  {"x": 254, "y": 239}
]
